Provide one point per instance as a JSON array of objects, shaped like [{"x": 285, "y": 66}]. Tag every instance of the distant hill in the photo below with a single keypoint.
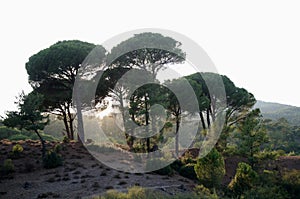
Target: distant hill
[{"x": 275, "y": 111}]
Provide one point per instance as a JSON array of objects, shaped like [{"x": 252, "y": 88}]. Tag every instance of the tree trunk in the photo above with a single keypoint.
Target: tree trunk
[
  {"x": 177, "y": 136},
  {"x": 207, "y": 118},
  {"x": 147, "y": 124},
  {"x": 212, "y": 113},
  {"x": 70, "y": 124},
  {"x": 71, "y": 129},
  {"x": 66, "y": 124},
  {"x": 42, "y": 142},
  {"x": 128, "y": 137},
  {"x": 80, "y": 133},
  {"x": 148, "y": 145},
  {"x": 202, "y": 120}
]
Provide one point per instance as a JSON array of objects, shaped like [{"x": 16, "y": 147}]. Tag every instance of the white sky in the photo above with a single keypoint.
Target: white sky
[{"x": 255, "y": 43}]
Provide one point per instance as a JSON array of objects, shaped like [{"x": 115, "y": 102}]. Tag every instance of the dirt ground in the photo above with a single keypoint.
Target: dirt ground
[{"x": 82, "y": 176}]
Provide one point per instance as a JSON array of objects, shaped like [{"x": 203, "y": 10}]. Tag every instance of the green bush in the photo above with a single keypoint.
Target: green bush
[
  {"x": 113, "y": 194},
  {"x": 139, "y": 148},
  {"x": 58, "y": 148},
  {"x": 66, "y": 139},
  {"x": 142, "y": 193},
  {"x": 244, "y": 179},
  {"x": 291, "y": 182},
  {"x": 210, "y": 169},
  {"x": 188, "y": 171},
  {"x": 8, "y": 166},
  {"x": 165, "y": 171},
  {"x": 176, "y": 165},
  {"x": 159, "y": 162},
  {"x": 52, "y": 160},
  {"x": 133, "y": 192},
  {"x": 270, "y": 155},
  {"x": 101, "y": 148},
  {"x": 6, "y": 132},
  {"x": 269, "y": 177},
  {"x": 16, "y": 151},
  {"x": 204, "y": 192},
  {"x": 188, "y": 158},
  {"x": 137, "y": 192},
  {"x": 230, "y": 150},
  {"x": 18, "y": 137},
  {"x": 266, "y": 192},
  {"x": 34, "y": 136}
]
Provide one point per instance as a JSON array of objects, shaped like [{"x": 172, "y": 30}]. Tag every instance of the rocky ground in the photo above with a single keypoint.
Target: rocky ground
[{"x": 82, "y": 176}]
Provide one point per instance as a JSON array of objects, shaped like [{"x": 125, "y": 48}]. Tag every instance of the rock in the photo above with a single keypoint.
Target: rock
[
  {"x": 163, "y": 189},
  {"x": 182, "y": 187},
  {"x": 3, "y": 193},
  {"x": 27, "y": 185}
]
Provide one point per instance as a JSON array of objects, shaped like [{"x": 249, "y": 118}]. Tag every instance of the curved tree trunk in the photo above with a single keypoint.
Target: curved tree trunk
[
  {"x": 42, "y": 142},
  {"x": 65, "y": 119}
]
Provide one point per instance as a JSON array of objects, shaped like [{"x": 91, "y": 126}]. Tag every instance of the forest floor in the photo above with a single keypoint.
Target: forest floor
[{"x": 82, "y": 176}]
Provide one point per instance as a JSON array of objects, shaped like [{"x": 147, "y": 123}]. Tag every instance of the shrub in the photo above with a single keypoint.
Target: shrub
[
  {"x": 34, "y": 136},
  {"x": 176, "y": 165},
  {"x": 46, "y": 137},
  {"x": 139, "y": 148},
  {"x": 142, "y": 193},
  {"x": 188, "y": 158},
  {"x": 204, "y": 192},
  {"x": 266, "y": 192},
  {"x": 210, "y": 169},
  {"x": 6, "y": 132},
  {"x": 113, "y": 194},
  {"x": 159, "y": 162},
  {"x": 291, "y": 182},
  {"x": 168, "y": 125},
  {"x": 188, "y": 171},
  {"x": 17, "y": 150},
  {"x": 57, "y": 148},
  {"x": 165, "y": 171},
  {"x": 8, "y": 166},
  {"x": 230, "y": 150},
  {"x": 244, "y": 179},
  {"x": 269, "y": 177},
  {"x": 101, "y": 148},
  {"x": 15, "y": 134},
  {"x": 137, "y": 192},
  {"x": 270, "y": 155},
  {"x": 52, "y": 160},
  {"x": 66, "y": 139},
  {"x": 18, "y": 137}
]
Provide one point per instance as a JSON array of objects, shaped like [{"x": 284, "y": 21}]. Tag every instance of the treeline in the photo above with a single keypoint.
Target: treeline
[
  {"x": 52, "y": 74},
  {"x": 283, "y": 136},
  {"x": 275, "y": 111}
]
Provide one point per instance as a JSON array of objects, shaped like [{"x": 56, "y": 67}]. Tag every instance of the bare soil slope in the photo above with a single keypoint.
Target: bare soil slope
[{"x": 80, "y": 176}]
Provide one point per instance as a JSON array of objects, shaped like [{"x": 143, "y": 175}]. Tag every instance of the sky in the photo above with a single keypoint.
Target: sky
[{"x": 255, "y": 43}]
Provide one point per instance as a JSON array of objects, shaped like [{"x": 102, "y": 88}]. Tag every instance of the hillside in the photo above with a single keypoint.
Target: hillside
[
  {"x": 80, "y": 176},
  {"x": 275, "y": 111}
]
